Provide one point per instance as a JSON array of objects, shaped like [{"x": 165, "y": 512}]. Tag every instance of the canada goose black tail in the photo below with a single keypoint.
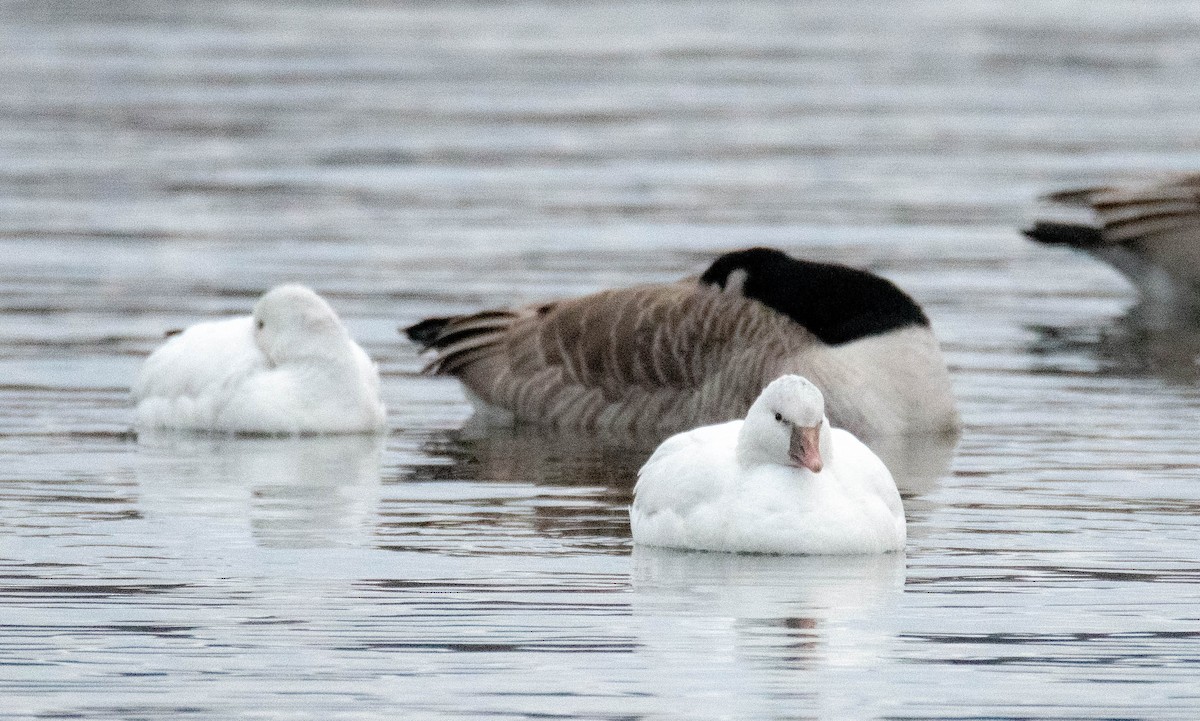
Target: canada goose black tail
[
  {"x": 427, "y": 331},
  {"x": 459, "y": 340}
]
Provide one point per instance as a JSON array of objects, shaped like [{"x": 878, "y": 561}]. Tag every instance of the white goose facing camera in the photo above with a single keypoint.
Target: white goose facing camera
[
  {"x": 289, "y": 368},
  {"x": 780, "y": 481}
]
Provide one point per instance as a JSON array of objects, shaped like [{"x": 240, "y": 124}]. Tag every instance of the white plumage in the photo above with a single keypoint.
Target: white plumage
[
  {"x": 290, "y": 367},
  {"x": 780, "y": 481}
]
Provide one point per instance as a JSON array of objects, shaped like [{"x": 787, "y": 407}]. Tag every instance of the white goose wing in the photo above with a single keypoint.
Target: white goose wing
[
  {"x": 687, "y": 470},
  {"x": 863, "y": 471},
  {"x": 205, "y": 359}
]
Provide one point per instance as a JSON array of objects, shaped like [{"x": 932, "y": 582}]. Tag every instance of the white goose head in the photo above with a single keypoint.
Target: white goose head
[
  {"x": 786, "y": 426},
  {"x": 293, "y": 322}
]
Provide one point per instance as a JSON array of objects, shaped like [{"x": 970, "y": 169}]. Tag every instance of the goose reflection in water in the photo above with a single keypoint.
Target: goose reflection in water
[
  {"x": 1125, "y": 346},
  {"x": 917, "y": 462},
  {"x": 294, "y": 492},
  {"x": 786, "y": 612},
  {"x": 532, "y": 482},
  {"x": 508, "y": 489}
]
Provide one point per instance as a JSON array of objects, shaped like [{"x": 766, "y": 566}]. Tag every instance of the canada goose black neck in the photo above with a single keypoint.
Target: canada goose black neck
[{"x": 836, "y": 303}]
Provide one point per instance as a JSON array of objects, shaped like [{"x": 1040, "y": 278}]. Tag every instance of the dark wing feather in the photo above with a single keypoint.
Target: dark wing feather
[
  {"x": 1123, "y": 214},
  {"x": 620, "y": 357},
  {"x": 1148, "y": 211}
]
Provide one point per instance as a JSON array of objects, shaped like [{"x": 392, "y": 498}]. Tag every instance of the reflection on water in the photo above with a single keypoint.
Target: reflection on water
[
  {"x": 306, "y": 492},
  {"x": 917, "y": 463},
  {"x": 521, "y": 490},
  {"x": 786, "y": 617},
  {"x": 554, "y": 457},
  {"x": 557, "y": 457},
  {"x": 1124, "y": 346},
  {"x": 753, "y": 586}
]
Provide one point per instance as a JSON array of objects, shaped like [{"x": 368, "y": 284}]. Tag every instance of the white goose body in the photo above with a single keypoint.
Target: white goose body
[
  {"x": 653, "y": 360},
  {"x": 791, "y": 485},
  {"x": 289, "y": 368}
]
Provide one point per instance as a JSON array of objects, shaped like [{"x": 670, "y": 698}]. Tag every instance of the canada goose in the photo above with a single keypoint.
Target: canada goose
[
  {"x": 781, "y": 481},
  {"x": 657, "y": 359},
  {"x": 289, "y": 368},
  {"x": 1149, "y": 232}
]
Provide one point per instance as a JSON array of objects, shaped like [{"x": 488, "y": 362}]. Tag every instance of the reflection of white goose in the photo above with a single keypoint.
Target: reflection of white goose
[
  {"x": 296, "y": 492},
  {"x": 739, "y": 585},
  {"x": 739, "y": 623},
  {"x": 782, "y": 481},
  {"x": 291, "y": 367}
]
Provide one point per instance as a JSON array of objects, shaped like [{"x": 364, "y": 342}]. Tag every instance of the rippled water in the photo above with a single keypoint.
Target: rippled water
[{"x": 166, "y": 162}]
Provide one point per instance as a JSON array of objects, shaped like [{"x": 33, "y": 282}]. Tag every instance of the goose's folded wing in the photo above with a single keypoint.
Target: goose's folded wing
[
  {"x": 202, "y": 360},
  {"x": 663, "y": 336},
  {"x": 687, "y": 470},
  {"x": 1106, "y": 215},
  {"x": 1136, "y": 213}
]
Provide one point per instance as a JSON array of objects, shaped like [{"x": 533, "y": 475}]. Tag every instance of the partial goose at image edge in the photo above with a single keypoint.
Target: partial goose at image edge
[{"x": 1149, "y": 231}]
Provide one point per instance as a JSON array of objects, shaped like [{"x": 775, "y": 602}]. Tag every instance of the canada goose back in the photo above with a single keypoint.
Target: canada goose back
[
  {"x": 656, "y": 359},
  {"x": 881, "y": 383},
  {"x": 642, "y": 360}
]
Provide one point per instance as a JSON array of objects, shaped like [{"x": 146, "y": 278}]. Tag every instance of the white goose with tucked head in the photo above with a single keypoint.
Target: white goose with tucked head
[
  {"x": 289, "y": 368},
  {"x": 780, "y": 481}
]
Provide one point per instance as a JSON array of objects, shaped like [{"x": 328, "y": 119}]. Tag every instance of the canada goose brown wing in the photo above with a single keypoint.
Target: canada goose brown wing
[
  {"x": 663, "y": 358},
  {"x": 1137, "y": 213},
  {"x": 1161, "y": 211},
  {"x": 658, "y": 356},
  {"x": 653, "y": 337}
]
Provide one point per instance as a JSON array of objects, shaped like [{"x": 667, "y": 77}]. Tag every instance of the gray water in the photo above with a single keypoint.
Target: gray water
[{"x": 164, "y": 163}]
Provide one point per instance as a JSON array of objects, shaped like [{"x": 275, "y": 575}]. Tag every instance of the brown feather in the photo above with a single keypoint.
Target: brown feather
[
  {"x": 655, "y": 359},
  {"x": 1141, "y": 211},
  {"x": 619, "y": 358}
]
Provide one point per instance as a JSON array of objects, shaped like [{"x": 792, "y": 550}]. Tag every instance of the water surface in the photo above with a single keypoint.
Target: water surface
[{"x": 166, "y": 163}]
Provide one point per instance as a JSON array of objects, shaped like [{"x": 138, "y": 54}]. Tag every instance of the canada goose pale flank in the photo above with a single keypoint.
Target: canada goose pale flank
[
  {"x": 781, "y": 481},
  {"x": 1149, "y": 232},
  {"x": 290, "y": 367},
  {"x": 657, "y": 359}
]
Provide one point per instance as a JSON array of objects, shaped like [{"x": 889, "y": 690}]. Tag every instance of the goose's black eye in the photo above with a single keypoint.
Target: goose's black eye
[
  {"x": 779, "y": 417},
  {"x": 260, "y": 324}
]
